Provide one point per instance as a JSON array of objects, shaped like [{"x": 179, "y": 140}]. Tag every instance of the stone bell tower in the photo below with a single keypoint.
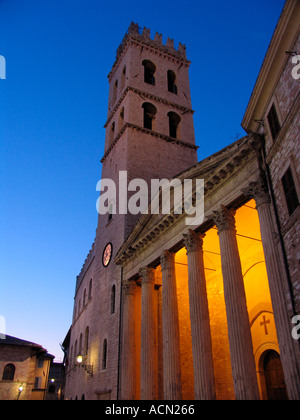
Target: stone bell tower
[
  {"x": 149, "y": 134},
  {"x": 149, "y": 128}
]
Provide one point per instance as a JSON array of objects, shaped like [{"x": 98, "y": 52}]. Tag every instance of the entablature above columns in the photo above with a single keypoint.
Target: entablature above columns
[{"x": 225, "y": 178}]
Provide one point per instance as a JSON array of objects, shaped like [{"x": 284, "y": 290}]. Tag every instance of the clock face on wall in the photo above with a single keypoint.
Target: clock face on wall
[{"x": 107, "y": 254}]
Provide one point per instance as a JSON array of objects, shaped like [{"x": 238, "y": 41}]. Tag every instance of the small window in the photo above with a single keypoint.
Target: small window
[
  {"x": 9, "y": 372},
  {"x": 86, "y": 341},
  {"x": 115, "y": 92},
  {"x": 274, "y": 122},
  {"x": 90, "y": 288},
  {"x": 104, "y": 355},
  {"x": 149, "y": 115},
  {"x": 80, "y": 344},
  {"x": 290, "y": 191},
  {"x": 123, "y": 77},
  {"x": 113, "y": 300},
  {"x": 121, "y": 119},
  {"x": 40, "y": 363},
  {"x": 112, "y": 133},
  {"x": 149, "y": 71},
  {"x": 174, "y": 121},
  {"x": 84, "y": 297},
  {"x": 171, "y": 82},
  {"x": 38, "y": 382}
]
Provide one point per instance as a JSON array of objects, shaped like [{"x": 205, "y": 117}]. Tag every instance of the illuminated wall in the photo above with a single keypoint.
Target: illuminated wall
[{"x": 258, "y": 302}]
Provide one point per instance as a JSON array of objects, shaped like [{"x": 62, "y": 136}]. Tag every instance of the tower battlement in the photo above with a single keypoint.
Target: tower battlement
[{"x": 137, "y": 33}]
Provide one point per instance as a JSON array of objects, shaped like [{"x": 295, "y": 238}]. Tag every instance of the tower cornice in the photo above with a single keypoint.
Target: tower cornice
[
  {"x": 151, "y": 132},
  {"x": 146, "y": 95}
]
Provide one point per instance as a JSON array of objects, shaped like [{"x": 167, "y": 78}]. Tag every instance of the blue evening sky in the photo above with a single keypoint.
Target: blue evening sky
[{"x": 53, "y": 106}]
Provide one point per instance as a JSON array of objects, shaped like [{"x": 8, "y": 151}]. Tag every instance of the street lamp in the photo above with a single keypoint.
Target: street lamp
[
  {"x": 21, "y": 388},
  {"x": 87, "y": 368}
]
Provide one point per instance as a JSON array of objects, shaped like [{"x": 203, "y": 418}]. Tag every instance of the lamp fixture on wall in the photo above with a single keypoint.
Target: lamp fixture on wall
[{"x": 87, "y": 368}]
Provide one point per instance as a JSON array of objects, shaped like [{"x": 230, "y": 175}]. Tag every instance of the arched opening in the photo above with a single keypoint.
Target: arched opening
[
  {"x": 104, "y": 355},
  {"x": 86, "y": 341},
  {"x": 9, "y": 372},
  {"x": 113, "y": 300},
  {"x": 123, "y": 77},
  {"x": 112, "y": 133},
  {"x": 149, "y": 115},
  {"x": 115, "y": 91},
  {"x": 174, "y": 121},
  {"x": 274, "y": 377},
  {"x": 172, "y": 87},
  {"x": 149, "y": 71}
]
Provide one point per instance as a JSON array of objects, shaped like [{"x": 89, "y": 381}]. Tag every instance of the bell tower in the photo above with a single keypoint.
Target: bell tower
[
  {"x": 150, "y": 135},
  {"x": 149, "y": 128}
]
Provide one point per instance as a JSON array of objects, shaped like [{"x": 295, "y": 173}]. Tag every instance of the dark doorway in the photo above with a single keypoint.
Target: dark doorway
[{"x": 275, "y": 384}]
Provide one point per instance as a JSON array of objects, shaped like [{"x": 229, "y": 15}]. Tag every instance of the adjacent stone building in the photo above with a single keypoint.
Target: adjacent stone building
[
  {"x": 24, "y": 369},
  {"x": 166, "y": 310}
]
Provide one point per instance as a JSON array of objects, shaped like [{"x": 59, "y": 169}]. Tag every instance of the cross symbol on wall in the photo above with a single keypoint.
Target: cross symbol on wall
[{"x": 264, "y": 323}]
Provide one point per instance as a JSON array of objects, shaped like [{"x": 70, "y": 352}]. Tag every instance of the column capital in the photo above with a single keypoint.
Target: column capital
[
  {"x": 258, "y": 191},
  {"x": 167, "y": 260},
  {"x": 147, "y": 275},
  {"x": 193, "y": 241},
  {"x": 224, "y": 219},
  {"x": 129, "y": 287}
]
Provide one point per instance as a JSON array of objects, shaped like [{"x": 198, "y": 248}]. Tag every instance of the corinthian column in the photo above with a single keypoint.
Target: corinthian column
[
  {"x": 128, "y": 347},
  {"x": 276, "y": 276},
  {"x": 240, "y": 341},
  {"x": 204, "y": 382},
  {"x": 171, "y": 341},
  {"x": 149, "y": 357}
]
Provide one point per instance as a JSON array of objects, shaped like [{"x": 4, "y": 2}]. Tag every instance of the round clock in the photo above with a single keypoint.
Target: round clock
[{"x": 107, "y": 254}]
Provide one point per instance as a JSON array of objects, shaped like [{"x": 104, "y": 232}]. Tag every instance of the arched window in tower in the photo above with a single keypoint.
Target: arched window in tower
[
  {"x": 121, "y": 119},
  {"x": 123, "y": 77},
  {"x": 104, "y": 355},
  {"x": 115, "y": 92},
  {"x": 9, "y": 372},
  {"x": 172, "y": 87},
  {"x": 112, "y": 133},
  {"x": 174, "y": 121},
  {"x": 149, "y": 71},
  {"x": 113, "y": 300},
  {"x": 149, "y": 115}
]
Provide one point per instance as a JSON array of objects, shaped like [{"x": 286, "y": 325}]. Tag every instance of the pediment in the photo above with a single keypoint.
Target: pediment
[{"x": 214, "y": 170}]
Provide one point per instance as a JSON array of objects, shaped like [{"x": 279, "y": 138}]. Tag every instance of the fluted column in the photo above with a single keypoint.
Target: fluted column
[
  {"x": 276, "y": 276},
  {"x": 204, "y": 382},
  {"x": 171, "y": 339},
  {"x": 149, "y": 357},
  {"x": 128, "y": 345},
  {"x": 239, "y": 333}
]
